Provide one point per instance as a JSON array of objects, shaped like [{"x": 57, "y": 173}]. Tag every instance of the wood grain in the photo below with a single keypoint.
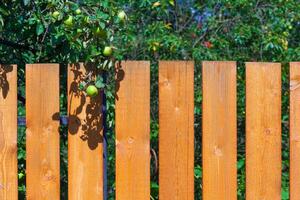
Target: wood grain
[
  {"x": 133, "y": 131},
  {"x": 219, "y": 136},
  {"x": 294, "y": 130},
  {"x": 8, "y": 133},
  {"x": 263, "y": 131},
  {"x": 42, "y": 133},
  {"x": 85, "y": 139},
  {"x": 176, "y": 130}
]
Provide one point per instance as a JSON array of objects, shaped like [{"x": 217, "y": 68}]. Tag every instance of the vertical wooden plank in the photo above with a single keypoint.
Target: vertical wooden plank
[
  {"x": 85, "y": 140},
  {"x": 219, "y": 136},
  {"x": 294, "y": 130},
  {"x": 176, "y": 130},
  {"x": 263, "y": 131},
  {"x": 8, "y": 133},
  {"x": 42, "y": 133},
  {"x": 132, "y": 131}
]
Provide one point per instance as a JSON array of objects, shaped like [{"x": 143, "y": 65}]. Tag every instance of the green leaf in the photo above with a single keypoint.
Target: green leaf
[
  {"x": 39, "y": 29},
  {"x": 20, "y": 175},
  {"x": 26, "y": 2},
  {"x": 1, "y": 22},
  {"x": 111, "y": 64},
  {"x": 240, "y": 164},
  {"x": 99, "y": 82},
  {"x": 82, "y": 85},
  {"x": 172, "y": 2},
  {"x": 198, "y": 172},
  {"x": 154, "y": 185},
  {"x": 284, "y": 194},
  {"x": 3, "y": 11},
  {"x": 109, "y": 94},
  {"x": 102, "y": 25}
]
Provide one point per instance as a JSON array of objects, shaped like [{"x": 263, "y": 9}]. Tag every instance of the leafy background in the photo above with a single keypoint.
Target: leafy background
[{"x": 240, "y": 30}]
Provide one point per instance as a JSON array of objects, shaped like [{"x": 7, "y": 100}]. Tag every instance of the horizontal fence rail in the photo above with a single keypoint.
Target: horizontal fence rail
[{"x": 132, "y": 114}]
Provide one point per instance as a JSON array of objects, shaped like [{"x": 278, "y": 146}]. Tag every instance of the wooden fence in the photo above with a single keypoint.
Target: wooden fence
[{"x": 176, "y": 132}]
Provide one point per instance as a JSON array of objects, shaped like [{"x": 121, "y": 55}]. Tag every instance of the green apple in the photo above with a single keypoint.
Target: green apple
[
  {"x": 107, "y": 51},
  {"x": 69, "y": 21},
  {"x": 92, "y": 91},
  {"x": 122, "y": 15},
  {"x": 78, "y": 11},
  {"x": 55, "y": 14}
]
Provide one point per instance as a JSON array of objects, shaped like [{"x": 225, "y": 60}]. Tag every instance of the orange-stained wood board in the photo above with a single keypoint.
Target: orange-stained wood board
[
  {"x": 42, "y": 133},
  {"x": 85, "y": 138},
  {"x": 176, "y": 130},
  {"x": 294, "y": 130},
  {"x": 219, "y": 130},
  {"x": 133, "y": 130},
  {"x": 8, "y": 133},
  {"x": 263, "y": 131}
]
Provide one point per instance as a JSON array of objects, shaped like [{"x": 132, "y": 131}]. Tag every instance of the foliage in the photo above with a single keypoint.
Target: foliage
[
  {"x": 57, "y": 31},
  {"x": 241, "y": 30}
]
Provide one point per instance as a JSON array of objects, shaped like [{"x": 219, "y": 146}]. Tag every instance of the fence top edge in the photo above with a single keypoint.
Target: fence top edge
[
  {"x": 185, "y": 62},
  {"x": 218, "y": 61},
  {"x": 42, "y": 64},
  {"x": 260, "y": 62},
  {"x": 148, "y": 61}
]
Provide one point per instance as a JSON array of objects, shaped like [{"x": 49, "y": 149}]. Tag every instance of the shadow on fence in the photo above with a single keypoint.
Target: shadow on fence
[
  {"x": 4, "y": 85},
  {"x": 89, "y": 121},
  {"x": 119, "y": 73}
]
